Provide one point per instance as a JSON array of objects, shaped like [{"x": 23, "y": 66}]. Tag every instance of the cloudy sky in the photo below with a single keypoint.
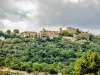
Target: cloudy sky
[{"x": 51, "y": 14}]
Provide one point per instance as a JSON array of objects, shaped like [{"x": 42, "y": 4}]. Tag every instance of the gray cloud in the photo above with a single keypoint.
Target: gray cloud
[
  {"x": 83, "y": 14},
  {"x": 6, "y": 3}
]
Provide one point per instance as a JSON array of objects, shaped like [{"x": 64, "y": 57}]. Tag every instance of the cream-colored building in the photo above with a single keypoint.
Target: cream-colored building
[
  {"x": 98, "y": 36},
  {"x": 2, "y": 38},
  {"x": 29, "y": 34},
  {"x": 71, "y": 30}
]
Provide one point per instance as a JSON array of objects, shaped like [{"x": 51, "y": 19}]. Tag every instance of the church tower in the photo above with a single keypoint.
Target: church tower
[
  {"x": 60, "y": 29},
  {"x": 43, "y": 29}
]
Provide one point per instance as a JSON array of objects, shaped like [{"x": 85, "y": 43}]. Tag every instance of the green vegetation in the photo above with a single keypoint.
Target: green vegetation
[
  {"x": 8, "y": 32},
  {"x": 9, "y": 73},
  {"x": 50, "y": 55},
  {"x": 15, "y": 31},
  {"x": 65, "y": 33},
  {"x": 89, "y": 63}
]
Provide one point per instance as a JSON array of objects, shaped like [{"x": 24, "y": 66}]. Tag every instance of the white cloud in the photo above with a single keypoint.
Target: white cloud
[
  {"x": 21, "y": 25},
  {"x": 26, "y": 6}
]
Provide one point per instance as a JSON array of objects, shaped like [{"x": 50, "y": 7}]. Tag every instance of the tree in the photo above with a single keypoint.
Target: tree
[
  {"x": 15, "y": 31},
  {"x": 8, "y": 40},
  {"x": 66, "y": 70},
  {"x": 91, "y": 37},
  {"x": 36, "y": 67},
  {"x": 65, "y": 33},
  {"x": 89, "y": 63},
  {"x": 52, "y": 68},
  {"x": 16, "y": 40},
  {"x": 7, "y": 61},
  {"x": 1, "y": 33},
  {"x": 26, "y": 66},
  {"x": 1, "y": 61},
  {"x": 78, "y": 31},
  {"x": 8, "y": 32}
]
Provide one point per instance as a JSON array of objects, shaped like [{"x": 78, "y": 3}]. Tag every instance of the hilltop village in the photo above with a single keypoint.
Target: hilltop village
[{"x": 70, "y": 33}]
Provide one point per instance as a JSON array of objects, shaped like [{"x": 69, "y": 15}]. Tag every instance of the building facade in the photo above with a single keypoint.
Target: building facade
[
  {"x": 48, "y": 34},
  {"x": 83, "y": 35},
  {"x": 71, "y": 30},
  {"x": 29, "y": 34},
  {"x": 2, "y": 38}
]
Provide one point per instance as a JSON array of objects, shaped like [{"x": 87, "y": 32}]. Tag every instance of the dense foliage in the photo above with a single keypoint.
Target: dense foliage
[
  {"x": 50, "y": 55},
  {"x": 88, "y": 63}
]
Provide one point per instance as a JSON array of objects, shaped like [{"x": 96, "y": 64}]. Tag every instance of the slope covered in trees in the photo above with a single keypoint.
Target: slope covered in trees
[{"x": 50, "y": 55}]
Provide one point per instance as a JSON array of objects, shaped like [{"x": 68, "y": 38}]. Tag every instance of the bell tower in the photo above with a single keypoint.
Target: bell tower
[
  {"x": 60, "y": 29},
  {"x": 43, "y": 29}
]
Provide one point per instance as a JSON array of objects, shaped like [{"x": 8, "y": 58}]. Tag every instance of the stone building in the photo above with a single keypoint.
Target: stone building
[
  {"x": 48, "y": 34},
  {"x": 84, "y": 35},
  {"x": 29, "y": 34},
  {"x": 60, "y": 29},
  {"x": 71, "y": 30},
  {"x": 2, "y": 38},
  {"x": 98, "y": 36}
]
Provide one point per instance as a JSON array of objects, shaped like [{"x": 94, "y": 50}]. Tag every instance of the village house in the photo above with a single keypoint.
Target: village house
[
  {"x": 2, "y": 38},
  {"x": 84, "y": 35},
  {"x": 48, "y": 34},
  {"x": 98, "y": 36},
  {"x": 29, "y": 34},
  {"x": 71, "y": 30}
]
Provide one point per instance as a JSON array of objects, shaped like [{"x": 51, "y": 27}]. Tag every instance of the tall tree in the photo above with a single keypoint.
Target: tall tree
[
  {"x": 89, "y": 63},
  {"x": 8, "y": 32},
  {"x": 1, "y": 33},
  {"x": 15, "y": 31}
]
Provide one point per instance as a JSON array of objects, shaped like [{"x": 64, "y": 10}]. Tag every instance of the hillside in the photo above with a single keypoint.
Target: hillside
[{"x": 55, "y": 55}]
